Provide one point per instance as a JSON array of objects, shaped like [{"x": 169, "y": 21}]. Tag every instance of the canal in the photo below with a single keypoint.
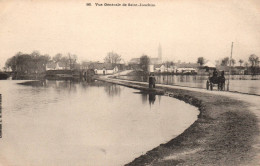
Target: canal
[{"x": 67, "y": 123}]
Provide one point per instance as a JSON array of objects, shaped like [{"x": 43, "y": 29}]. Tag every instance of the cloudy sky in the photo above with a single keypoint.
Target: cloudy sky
[{"x": 186, "y": 29}]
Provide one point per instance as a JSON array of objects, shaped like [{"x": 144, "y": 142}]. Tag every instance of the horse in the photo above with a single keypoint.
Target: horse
[{"x": 219, "y": 80}]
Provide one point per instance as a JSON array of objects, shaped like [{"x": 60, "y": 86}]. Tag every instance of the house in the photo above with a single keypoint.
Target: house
[
  {"x": 209, "y": 65},
  {"x": 61, "y": 66},
  {"x": 187, "y": 67},
  {"x": 235, "y": 70},
  {"x": 56, "y": 66},
  {"x": 162, "y": 68},
  {"x": 186, "y": 70},
  {"x": 171, "y": 68},
  {"x": 159, "y": 68},
  {"x": 50, "y": 66},
  {"x": 105, "y": 68},
  {"x": 240, "y": 70}
]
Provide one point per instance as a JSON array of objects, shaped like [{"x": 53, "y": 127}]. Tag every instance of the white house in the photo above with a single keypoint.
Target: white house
[
  {"x": 159, "y": 68},
  {"x": 56, "y": 66},
  {"x": 163, "y": 68},
  {"x": 105, "y": 68},
  {"x": 187, "y": 68},
  {"x": 209, "y": 65}
]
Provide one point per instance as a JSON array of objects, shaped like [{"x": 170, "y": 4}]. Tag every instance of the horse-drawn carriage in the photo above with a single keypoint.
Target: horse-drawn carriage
[{"x": 216, "y": 80}]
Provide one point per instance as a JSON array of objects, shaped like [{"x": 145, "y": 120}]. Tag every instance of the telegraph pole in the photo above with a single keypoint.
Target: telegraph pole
[{"x": 230, "y": 66}]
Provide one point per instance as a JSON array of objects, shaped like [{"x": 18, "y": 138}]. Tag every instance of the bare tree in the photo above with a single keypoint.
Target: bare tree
[
  {"x": 57, "y": 57},
  {"x": 72, "y": 60},
  {"x": 113, "y": 58}
]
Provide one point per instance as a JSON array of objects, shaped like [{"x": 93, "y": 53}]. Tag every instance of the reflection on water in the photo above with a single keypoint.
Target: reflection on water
[
  {"x": 148, "y": 97},
  {"x": 60, "y": 123},
  {"x": 237, "y": 83},
  {"x": 152, "y": 98}
]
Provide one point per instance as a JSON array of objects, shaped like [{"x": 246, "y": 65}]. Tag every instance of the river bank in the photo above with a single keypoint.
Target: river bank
[{"x": 226, "y": 133}]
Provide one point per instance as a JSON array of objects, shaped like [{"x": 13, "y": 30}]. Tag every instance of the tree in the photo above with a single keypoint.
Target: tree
[
  {"x": 65, "y": 60},
  {"x": 225, "y": 61},
  {"x": 169, "y": 63},
  {"x": 112, "y": 57},
  {"x": 72, "y": 60},
  {"x": 240, "y": 62},
  {"x": 201, "y": 61},
  {"x": 28, "y": 63},
  {"x": 42, "y": 62},
  {"x": 144, "y": 63},
  {"x": 57, "y": 57},
  {"x": 233, "y": 62},
  {"x": 254, "y": 61}
]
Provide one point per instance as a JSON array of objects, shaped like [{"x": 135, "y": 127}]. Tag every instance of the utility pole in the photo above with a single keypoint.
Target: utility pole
[{"x": 230, "y": 67}]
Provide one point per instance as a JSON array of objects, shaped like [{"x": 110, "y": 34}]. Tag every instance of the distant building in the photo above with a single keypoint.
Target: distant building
[
  {"x": 56, "y": 66},
  {"x": 105, "y": 68},
  {"x": 209, "y": 64},
  {"x": 162, "y": 68},
  {"x": 159, "y": 68},
  {"x": 187, "y": 68},
  {"x": 235, "y": 70}
]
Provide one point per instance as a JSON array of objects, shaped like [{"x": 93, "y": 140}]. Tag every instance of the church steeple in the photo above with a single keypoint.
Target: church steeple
[{"x": 160, "y": 53}]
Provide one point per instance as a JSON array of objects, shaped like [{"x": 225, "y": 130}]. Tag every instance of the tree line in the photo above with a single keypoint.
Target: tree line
[
  {"x": 252, "y": 63},
  {"x": 253, "y": 60},
  {"x": 23, "y": 63},
  {"x": 35, "y": 62}
]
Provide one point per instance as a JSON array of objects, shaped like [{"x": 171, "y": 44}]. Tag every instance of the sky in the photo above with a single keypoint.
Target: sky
[{"x": 186, "y": 29}]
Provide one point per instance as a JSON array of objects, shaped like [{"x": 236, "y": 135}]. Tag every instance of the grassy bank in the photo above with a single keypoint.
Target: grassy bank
[{"x": 224, "y": 134}]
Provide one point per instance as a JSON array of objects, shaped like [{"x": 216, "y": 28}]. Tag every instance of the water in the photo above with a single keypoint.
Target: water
[
  {"x": 238, "y": 83},
  {"x": 65, "y": 123}
]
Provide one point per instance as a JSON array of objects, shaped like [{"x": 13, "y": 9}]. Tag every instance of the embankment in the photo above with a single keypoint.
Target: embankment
[{"x": 225, "y": 133}]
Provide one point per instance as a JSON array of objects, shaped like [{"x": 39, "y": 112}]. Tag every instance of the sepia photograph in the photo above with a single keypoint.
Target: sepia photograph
[{"x": 129, "y": 83}]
